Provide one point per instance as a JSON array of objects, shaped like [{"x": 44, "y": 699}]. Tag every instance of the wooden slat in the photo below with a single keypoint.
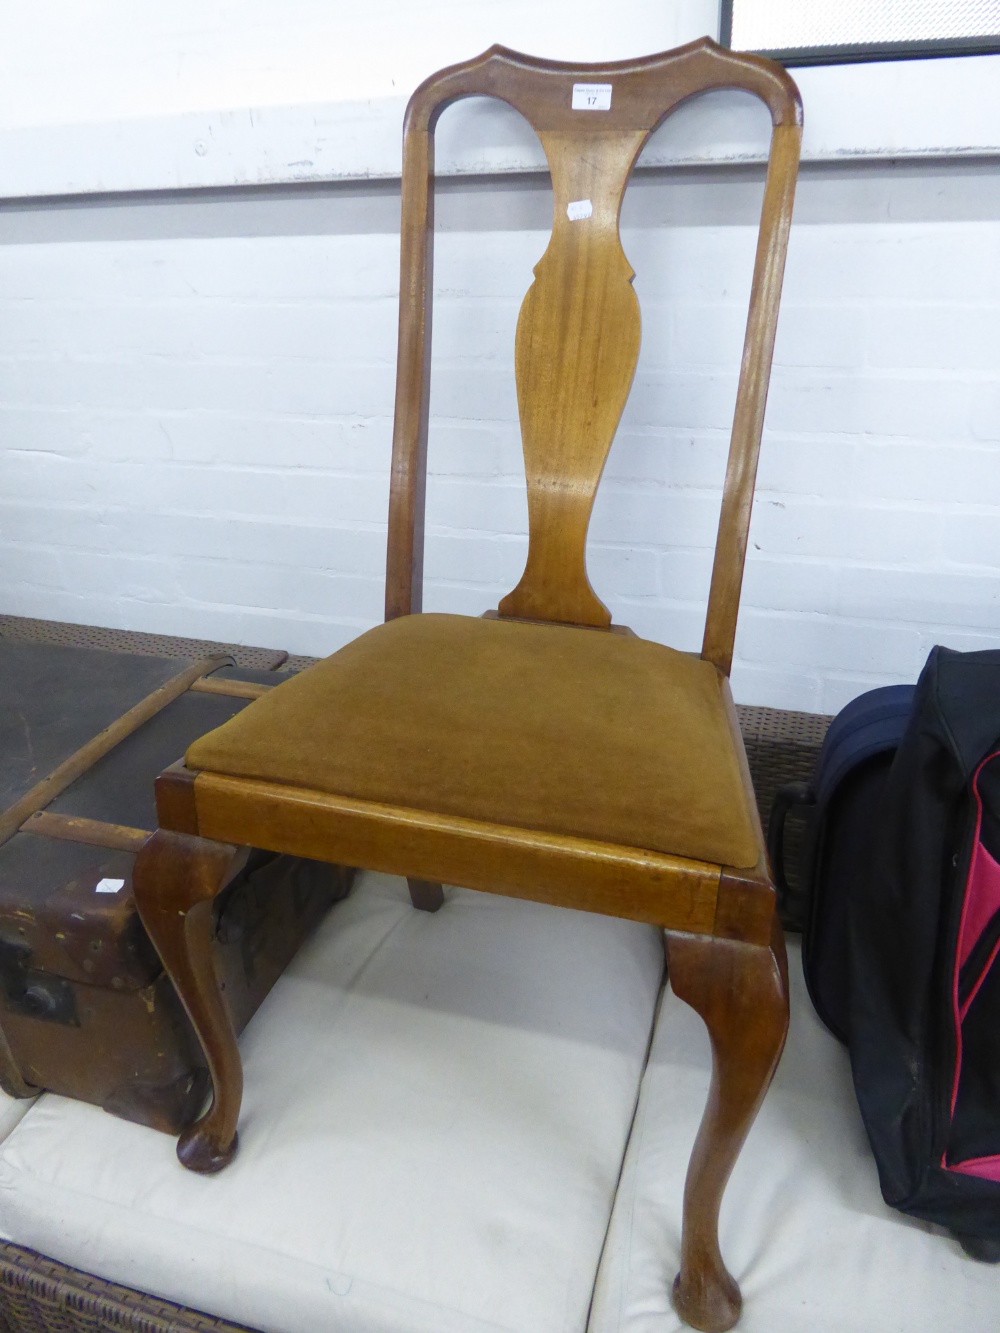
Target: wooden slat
[
  {"x": 669, "y": 891},
  {"x": 45, "y": 791},
  {"x": 236, "y": 689},
  {"x": 94, "y": 832},
  {"x": 582, "y": 303},
  {"x": 404, "y": 573},
  {"x": 751, "y": 398}
]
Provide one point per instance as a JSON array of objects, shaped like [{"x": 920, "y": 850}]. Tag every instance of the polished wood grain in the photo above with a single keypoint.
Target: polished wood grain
[
  {"x": 741, "y": 993},
  {"x": 175, "y": 880},
  {"x": 93, "y": 832},
  {"x": 593, "y": 876},
  {"x": 751, "y": 399},
  {"x": 571, "y": 337},
  {"x": 573, "y": 374},
  {"x": 175, "y": 800},
  {"x": 575, "y": 355},
  {"x": 746, "y": 904}
]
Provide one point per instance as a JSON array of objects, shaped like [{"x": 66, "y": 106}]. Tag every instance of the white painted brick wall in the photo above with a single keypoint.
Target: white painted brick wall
[{"x": 196, "y": 399}]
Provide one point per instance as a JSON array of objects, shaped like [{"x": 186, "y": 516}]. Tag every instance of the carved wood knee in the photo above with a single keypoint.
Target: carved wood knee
[
  {"x": 175, "y": 880},
  {"x": 741, "y": 992}
]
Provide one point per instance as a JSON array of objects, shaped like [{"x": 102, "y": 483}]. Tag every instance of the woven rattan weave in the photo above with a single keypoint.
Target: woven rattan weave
[
  {"x": 134, "y": 641},
  {"x": 38, "y": 1295}
]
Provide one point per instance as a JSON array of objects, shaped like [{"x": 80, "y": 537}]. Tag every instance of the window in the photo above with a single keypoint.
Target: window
[{"x": 821, "y": 32}]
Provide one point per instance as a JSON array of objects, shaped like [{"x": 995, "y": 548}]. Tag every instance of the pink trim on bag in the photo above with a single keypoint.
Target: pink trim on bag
[
  {"x": 983, "y": 901},
  {"x": 980, "y": 979},
  {"x": 980, "y": 900},
  {"x": 987, "y": 1168}
]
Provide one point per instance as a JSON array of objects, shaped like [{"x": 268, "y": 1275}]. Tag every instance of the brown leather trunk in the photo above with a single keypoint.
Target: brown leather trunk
[{"x": 85, "y": 1007}]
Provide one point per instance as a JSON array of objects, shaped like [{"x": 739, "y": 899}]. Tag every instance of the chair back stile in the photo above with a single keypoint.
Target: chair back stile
[
  {"x": 577, "y": 339},
  {"x": 751, "y": 397}
]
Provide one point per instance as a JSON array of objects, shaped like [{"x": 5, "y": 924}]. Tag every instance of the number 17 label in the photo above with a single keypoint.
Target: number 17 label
[{"x": 591, "y": 96}]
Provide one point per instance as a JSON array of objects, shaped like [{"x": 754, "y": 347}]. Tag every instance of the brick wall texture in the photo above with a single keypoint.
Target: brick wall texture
[{"x": 196, "y": 408}]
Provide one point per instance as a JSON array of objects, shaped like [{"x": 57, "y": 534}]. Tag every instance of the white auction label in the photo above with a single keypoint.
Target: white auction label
[
  {"x": 591, "y": 96},
  {"x": 579, "y": 208},
  {"x": 109, "y": 885}
]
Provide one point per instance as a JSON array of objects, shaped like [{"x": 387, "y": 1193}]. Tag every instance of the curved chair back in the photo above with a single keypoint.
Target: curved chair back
[{"x": 578, "y": 331}]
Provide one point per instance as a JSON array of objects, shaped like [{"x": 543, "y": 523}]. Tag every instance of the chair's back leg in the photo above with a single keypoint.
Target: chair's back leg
[
  {"x": 175, "y": 881},
  {"x": 425, "y": 894},
  {"x": 741, "y": 992}
]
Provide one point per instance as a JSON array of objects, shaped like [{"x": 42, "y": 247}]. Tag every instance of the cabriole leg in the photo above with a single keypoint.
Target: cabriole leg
[
  {"x": 741, "y": 992},
  {"x": 175, "y": 880}
]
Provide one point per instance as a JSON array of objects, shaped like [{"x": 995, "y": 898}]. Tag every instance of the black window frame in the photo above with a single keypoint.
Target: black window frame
[{"x": 865, "y": 51}]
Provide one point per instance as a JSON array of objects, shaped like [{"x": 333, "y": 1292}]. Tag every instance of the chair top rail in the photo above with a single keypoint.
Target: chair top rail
[{"x": 644, "y": 90}]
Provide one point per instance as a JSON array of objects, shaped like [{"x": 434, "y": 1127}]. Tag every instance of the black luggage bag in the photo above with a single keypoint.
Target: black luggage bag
[
  {"x": 902, "y": 943},
  {"x": 838, "y": 808}
]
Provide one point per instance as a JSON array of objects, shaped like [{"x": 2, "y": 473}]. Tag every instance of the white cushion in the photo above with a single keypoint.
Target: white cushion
[
  {"x": 435, "y": 1117},
  {"x": 804, "y": 1229},
  {"x": 11, "y": 1111}
]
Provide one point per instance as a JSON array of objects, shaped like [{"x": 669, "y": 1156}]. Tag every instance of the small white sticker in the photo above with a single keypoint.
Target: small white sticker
[
  {"x": 591, "y": 96},
  {"x": 579, "y": 208},
  {"x": 109, "y": 885}
]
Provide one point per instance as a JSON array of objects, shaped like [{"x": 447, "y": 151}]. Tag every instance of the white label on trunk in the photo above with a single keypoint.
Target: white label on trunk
[
  {"x": 591, "y": 96},
  {"x": 579, "y": 208},
  {"x": 109, "y": 885}
]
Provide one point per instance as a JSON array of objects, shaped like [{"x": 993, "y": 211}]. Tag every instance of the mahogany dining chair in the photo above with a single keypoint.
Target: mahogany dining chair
[{"x": 538, "y": 751}]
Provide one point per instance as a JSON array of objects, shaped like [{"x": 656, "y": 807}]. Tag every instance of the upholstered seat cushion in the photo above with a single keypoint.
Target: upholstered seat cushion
[{"x": 573, "y": 731}]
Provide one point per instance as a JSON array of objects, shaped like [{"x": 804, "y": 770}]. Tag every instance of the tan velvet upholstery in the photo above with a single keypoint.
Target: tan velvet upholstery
[{"x": 567, "y": 730}]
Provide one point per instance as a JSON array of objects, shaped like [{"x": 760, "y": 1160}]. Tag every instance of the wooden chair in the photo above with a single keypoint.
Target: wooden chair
[{"x": 530, "y": 752}]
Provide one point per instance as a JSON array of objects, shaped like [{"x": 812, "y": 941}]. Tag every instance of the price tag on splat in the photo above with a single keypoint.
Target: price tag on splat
[{"x": 591, "y": 96}]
